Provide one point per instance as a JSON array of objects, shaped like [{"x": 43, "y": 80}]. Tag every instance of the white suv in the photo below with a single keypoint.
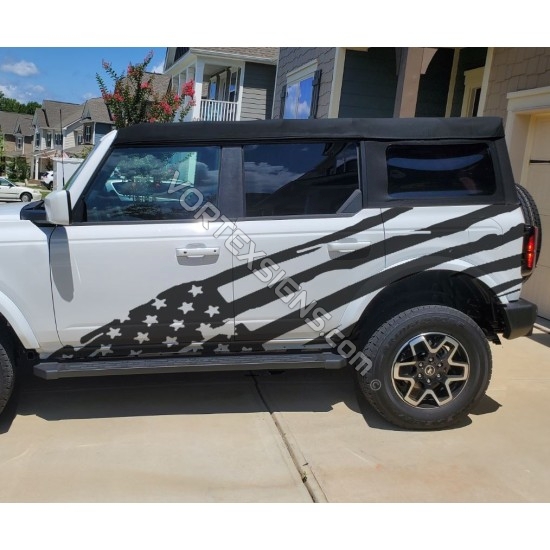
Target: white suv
[
  {"x": 395, "y": 247},
  {"x": 47, "y": 179}
]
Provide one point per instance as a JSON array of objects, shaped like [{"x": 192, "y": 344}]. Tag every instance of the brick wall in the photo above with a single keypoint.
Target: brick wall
[
  {"x": 512, "y": 70},
  {"x": 294, "y": 58}
]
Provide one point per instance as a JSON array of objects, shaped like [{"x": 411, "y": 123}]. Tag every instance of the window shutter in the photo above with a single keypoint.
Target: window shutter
[
  {"x": 283, "y": 100},
  {"x": 315, "y": 93}
]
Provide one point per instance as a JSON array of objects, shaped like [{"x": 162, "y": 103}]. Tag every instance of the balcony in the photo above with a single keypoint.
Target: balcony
[{"x": 213, "y": 110}]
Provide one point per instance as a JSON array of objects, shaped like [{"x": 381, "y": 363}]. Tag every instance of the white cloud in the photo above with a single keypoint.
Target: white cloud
[
  {"x": 267, "y": 178},
  {"x": 21, "y": 68},
  {"x": 8, "y": 90},
  {"x": 25, "y": 94},
  {"x": 88, "y": 95},
  {"x": 34, "y": 89},
  {"x": 158, "y": 68}
]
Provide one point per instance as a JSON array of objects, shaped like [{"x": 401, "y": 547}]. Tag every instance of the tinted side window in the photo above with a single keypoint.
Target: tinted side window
[
  {"x": 152, "y": 183},
  {"x": 296, "y": 179},
  {"x": 425, "y": 171}
]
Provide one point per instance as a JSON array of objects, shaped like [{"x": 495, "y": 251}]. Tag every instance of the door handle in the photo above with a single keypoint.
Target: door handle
[
  {"x": 198, "y": 252},
  {"x": 347, "y": 246}
]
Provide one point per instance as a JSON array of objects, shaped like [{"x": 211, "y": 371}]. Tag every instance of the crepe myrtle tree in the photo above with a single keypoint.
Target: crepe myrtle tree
[{"x": 133, "y": 99}]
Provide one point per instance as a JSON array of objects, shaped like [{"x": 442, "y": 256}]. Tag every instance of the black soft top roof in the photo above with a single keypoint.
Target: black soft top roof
[{"x": 328, "y": 128}]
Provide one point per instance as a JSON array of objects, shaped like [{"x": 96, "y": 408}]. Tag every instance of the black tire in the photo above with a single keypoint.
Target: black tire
[
  {"x": 530, "y": 212},
  {"x": 460, "y": 370},
  {"x": 26, "y": 197},
  {"x": 6, "y": 371}
]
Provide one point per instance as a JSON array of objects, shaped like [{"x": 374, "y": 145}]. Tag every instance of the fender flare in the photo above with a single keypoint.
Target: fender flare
[
  {"x": 18, "y": 322},
  {"x": 358, "y": 306}
]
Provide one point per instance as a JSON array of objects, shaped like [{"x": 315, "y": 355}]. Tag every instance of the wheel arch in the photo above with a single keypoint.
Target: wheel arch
[
  {"x": 458, "y": 290},
  {"x": 12, "y": 320}
]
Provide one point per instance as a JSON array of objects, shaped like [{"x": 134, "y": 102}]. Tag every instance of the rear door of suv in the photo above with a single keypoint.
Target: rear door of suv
[
  {"x": 455, "y": 213},
  {"x": 306, "y": 241}
]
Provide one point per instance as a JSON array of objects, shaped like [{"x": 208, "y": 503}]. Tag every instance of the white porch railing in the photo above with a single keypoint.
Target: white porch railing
[{"x": 213, "y": 110}]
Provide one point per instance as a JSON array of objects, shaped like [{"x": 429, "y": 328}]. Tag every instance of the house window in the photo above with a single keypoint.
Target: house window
[
  {"x": 37, "y": 140},
  {"x": 87, "y": 134},
  {"x": 212, "y": 90},
  {"x": 233, "y": 86},
  {"x": 79, "y": 139},
  {"x": 48, "y": 140},
  {"x": 58, "y": 139},
  {"x": 19, "y": 143},
  {"x": 300, "y": 95}
]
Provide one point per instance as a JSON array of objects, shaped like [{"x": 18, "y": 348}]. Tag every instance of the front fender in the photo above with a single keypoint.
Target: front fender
[{"x": 19, "y": 324}]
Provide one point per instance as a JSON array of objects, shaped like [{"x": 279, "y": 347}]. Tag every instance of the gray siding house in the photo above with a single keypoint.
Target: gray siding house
[
  {"x": 95, "y": 122},
  {"x": 50, "y": 124},
  {"x": 374, "y": 82},
  {"x": 67, "y": 128},
  {"x": 230, "y": 83}
]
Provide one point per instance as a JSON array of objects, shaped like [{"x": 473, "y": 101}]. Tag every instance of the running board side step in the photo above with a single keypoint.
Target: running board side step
[{"x": 53, "y": 370}]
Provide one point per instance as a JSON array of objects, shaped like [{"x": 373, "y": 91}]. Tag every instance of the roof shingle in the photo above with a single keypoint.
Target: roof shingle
[
  {"x": 97, "y": 110},
  {"x": 10, "y": 122}
]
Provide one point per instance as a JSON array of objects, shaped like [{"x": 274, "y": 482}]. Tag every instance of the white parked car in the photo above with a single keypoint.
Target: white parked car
[{"x": 12, "y": 192}]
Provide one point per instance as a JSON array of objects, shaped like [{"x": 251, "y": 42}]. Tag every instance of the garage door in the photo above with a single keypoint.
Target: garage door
[{"x": 537, "y": 289}]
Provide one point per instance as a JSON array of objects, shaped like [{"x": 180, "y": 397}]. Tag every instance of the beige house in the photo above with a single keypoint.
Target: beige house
[
  {"x": 17, "y": 131},
  {"x": 517, "y": 88}
]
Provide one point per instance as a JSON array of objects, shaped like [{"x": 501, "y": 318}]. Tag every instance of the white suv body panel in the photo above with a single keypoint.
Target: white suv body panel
[
  {"x": 25, "y": 291},
  {"x": 100, "y": 272},
  {"x": 313, "y": 272}
]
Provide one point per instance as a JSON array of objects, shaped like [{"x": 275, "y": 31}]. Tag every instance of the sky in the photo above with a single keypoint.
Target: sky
[
  {"x": 66, "y": 69},
  {"x": 65, "y": 74}
]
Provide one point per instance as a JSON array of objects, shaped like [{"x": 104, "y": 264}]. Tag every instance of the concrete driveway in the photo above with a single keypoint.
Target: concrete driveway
[{"x": 233, "y": 437}]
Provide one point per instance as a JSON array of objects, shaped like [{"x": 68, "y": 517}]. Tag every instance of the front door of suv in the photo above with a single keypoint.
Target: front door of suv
[
  {"x": 306, "y": 242},
  {"x": 136, "y": 273}
]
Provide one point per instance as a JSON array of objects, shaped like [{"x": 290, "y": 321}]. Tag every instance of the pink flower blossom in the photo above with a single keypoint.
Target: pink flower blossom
[{"x": 188, "y": 89}]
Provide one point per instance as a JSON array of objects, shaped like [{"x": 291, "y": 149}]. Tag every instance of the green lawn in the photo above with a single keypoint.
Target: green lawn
[{"x": 43, "y": 191}]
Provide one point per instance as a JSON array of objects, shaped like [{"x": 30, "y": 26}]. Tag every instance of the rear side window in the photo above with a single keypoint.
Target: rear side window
[
  {"x": 438, "y": 171},
  {"x": 297, "y": 179}
]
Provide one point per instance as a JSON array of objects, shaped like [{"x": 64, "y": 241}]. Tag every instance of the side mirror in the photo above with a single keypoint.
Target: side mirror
[{"x": 58, "y": 207}]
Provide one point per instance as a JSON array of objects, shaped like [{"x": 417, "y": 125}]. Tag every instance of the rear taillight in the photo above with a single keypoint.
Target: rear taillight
[{"x": 529, "y": 255}]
